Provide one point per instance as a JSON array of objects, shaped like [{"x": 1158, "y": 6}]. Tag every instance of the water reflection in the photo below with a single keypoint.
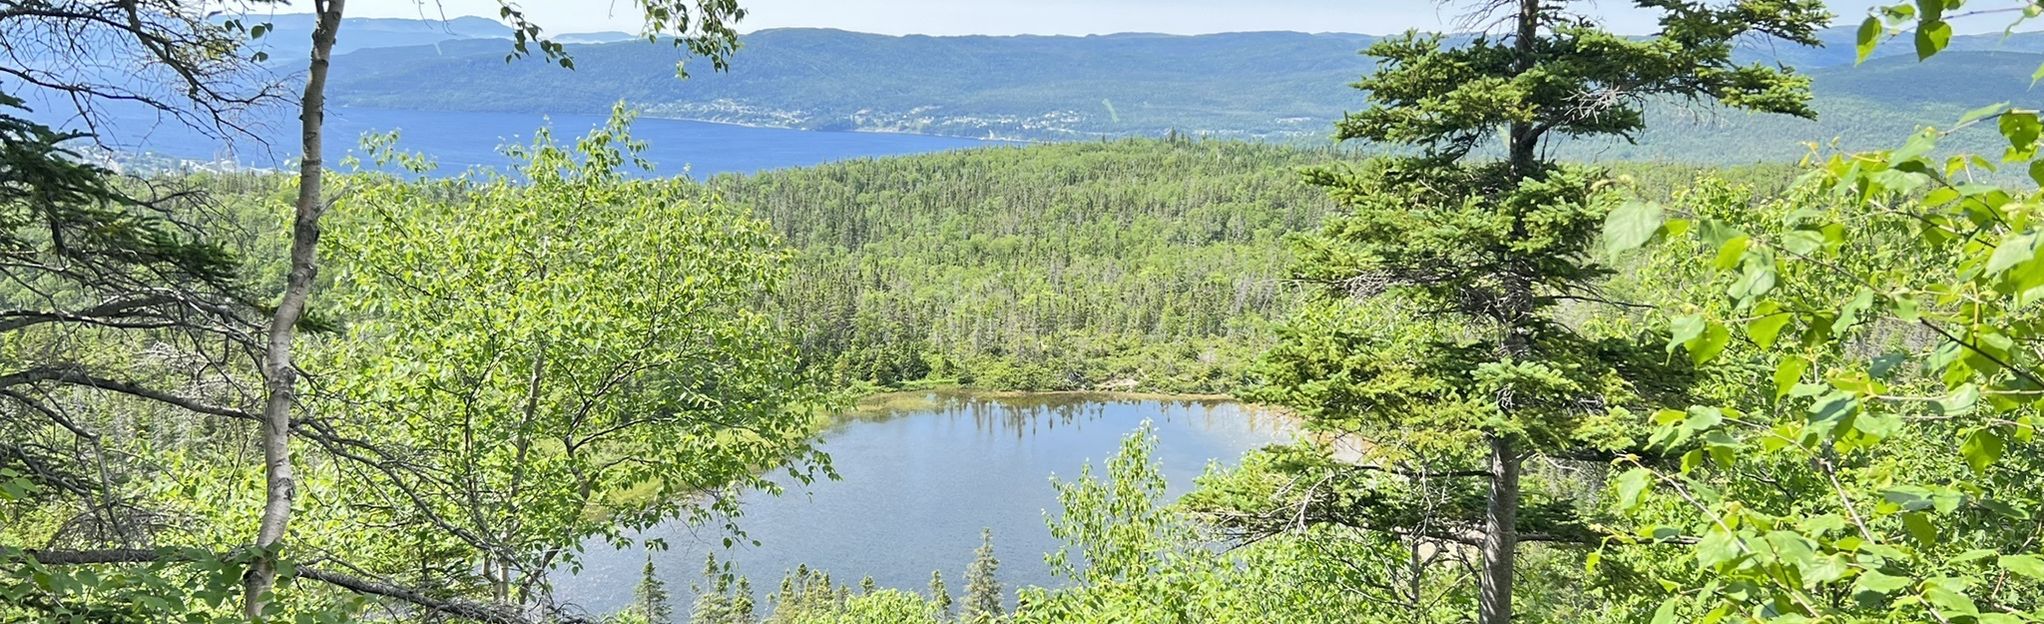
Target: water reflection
[{"x": 922, "y": 473}]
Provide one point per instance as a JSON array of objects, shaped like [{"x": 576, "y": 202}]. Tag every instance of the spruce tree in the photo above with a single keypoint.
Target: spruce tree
[
  {"x": 743, "y": 606},
  {"x": 650, "y": 597},
  {"x": 940, "y": 595},
  {"x": 1438, "y": 333},
  {"x": 713, "y": 605},
  {"x": 787, "y": 587},
  {"x": 982, "y": 588}
]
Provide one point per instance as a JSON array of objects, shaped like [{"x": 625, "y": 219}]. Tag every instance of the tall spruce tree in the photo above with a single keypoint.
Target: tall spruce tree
[
  {"x": 1440, "y": 333},
  {"x": 940, "y": 596},
  {"x": 982, "y": 587},
  {"x": 744, "y": 607},
  {"x": 713, "y": 599},
  {"x": 650, "y": 597}
]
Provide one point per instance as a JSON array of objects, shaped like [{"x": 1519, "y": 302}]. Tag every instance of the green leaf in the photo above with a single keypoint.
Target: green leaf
[
  {"x": 1631, "y": 225},
  {"x": 1666, "y": 613},
  {"x": 2014, "y": 250},
  {"x": 1756, "y": 279},
  {"x": 1875, "y": 581},
  {"x": 1932, "y": 37},
  {"x": 1960, "y": 402},
  {"x": 1983, "y": 113},
  {"x": 1717, "y": 547},
  {"x": 1683, "y": 329},
  {"x": 1870, "y": 36},
  {"x": 1918, "y": 144},
  {"x": 2021, "y": 129},
  {"x": 1834, "y": 410},
  {"x": 1906, "y": 308},
  {"x": 1632, "y": 487},
  {"x": 1803, "y": 242},
  {"x": 1706, "y": 347},
  {"x": 1919, "y": 526},
  {"x": 1852, "y": 313},
  {"x": 1877, "y": 425},
  {"x": 1950, "y": 599},
  {"x": 1765, "y": 329},
  {"x": 1732, "y": 251},
  {"x": 1787, "y": 374},
  {"x": 2027, "y": 565},
  {"x": 1822, "y": 524},
  {"x": 1982, "y": 449}
]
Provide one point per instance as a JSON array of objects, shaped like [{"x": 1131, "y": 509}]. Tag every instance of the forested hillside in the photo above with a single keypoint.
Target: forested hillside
[
  {"x": 1132, "y": 264},
  {"x": 1282, "y": 86},
  {"x": 1239, "y": 84},
  {"x": 287, "y": 37},
  {"x": 1135, "y": 264}
]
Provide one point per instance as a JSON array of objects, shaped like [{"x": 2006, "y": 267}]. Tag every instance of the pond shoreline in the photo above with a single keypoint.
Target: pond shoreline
[
  {"x": 885, "y": 402},
  {"x": 923, "y": 473}
]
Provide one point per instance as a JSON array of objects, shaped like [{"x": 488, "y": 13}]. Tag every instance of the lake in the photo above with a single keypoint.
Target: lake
[
  {"x": 920, "y": 479},
  {"x": 459, "y": 140}
]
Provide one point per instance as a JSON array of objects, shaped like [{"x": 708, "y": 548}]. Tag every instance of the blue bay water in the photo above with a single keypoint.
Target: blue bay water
[{"x": 460, "y": 140}]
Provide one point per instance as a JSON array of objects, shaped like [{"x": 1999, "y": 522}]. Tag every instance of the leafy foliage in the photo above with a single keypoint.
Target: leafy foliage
[
  {"x": 1869, "y": 330},
  {"x": 554, "y": 344}
]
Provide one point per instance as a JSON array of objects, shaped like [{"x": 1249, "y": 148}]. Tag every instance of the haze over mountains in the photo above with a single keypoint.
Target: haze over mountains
[{"x": 1283, "y": 86}]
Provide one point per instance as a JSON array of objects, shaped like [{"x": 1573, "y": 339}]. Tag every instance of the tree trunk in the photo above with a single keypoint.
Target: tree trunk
[
  {"x": 1500, "y": 534},
  {"x": 279, "y": 373},
  {"x": 1524, "y": 136},
  {"x": 1500, "y": 549}
]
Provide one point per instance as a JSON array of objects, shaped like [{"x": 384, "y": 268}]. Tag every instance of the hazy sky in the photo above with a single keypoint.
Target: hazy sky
[{"x": 1007, "y": 17}]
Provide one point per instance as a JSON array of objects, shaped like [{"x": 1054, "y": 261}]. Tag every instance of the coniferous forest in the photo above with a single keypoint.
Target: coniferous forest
[{"x": 1515, "y": 385}]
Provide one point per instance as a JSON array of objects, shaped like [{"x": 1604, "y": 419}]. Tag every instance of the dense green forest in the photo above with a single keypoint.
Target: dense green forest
[
  {"x": 1530, "y": 388},
  {"x": 1131, "y": 264}
]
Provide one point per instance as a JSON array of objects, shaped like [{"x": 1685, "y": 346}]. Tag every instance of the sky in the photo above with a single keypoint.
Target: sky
[{"x": 1046, "y": 17}]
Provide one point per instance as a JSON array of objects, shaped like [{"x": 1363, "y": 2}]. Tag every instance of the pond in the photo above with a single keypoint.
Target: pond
[{"x": 922, "y": 475}]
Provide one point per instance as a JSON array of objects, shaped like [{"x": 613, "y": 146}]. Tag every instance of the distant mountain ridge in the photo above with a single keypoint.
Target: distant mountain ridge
[
  {"x": 1249, "y": 84},
  {"x": 1266, "y": 85},
  {"x": 290, "y": 34}
]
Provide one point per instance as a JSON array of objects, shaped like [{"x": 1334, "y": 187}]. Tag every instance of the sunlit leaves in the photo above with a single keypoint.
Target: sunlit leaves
[
  {"x": 2022, "y": 130},
  {"x": 1869, "y": 37},
  {"x": 2013, "y": 250},
  {"x": 577, "y": 349},
  {"x": 1706, "y": 345},
  {"x": 1632, "y": 486},
  {"x": 2027, "y": 565},
  {"x": 1894, "y": 341},
  {"x": 15, "y": 486},
  {"x": 1982, "y": 448},
  {"x": 1877, "y": 582},
  {"x": 1631, "y": 225},
  {"x": 1771, "y": 320},
  {"x": 1932, "y": 37}
]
